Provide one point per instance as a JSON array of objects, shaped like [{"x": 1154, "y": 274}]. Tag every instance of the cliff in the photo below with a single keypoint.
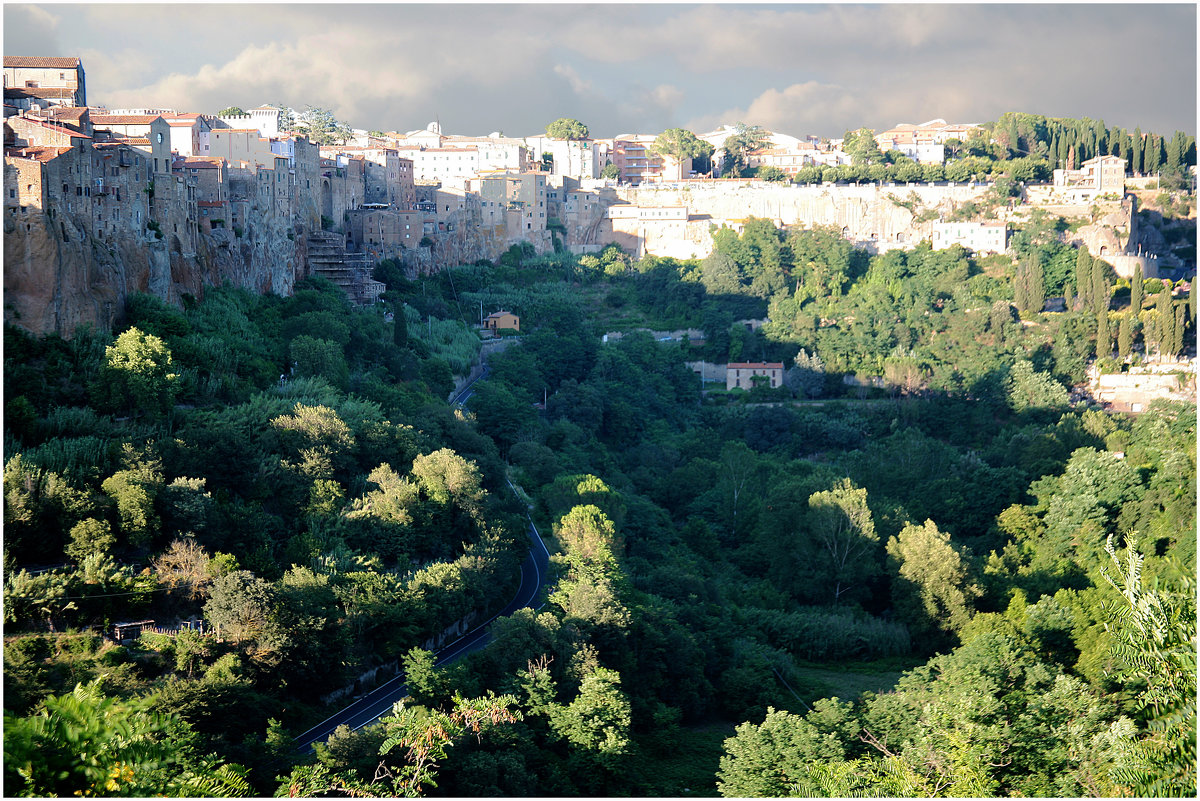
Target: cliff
[{"x": 57, "y": 278}]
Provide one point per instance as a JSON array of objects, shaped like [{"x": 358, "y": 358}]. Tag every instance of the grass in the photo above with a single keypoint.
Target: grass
[
  {"x": 849, "y": 680},
  {"x": 688, "y": 766}
]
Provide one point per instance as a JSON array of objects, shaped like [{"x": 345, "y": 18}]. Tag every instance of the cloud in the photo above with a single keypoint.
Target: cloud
[
  {"x": 625, "y": 68},
  {"x": 577, "y": 84},
  {"x": 31, "y": 31}
]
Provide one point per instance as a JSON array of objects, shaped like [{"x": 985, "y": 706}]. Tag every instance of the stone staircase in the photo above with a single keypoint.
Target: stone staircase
[{"x": 327, "y": 257}]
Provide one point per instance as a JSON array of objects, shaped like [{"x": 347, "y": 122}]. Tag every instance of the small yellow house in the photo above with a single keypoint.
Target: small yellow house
[{"x": 502, "y": 319}]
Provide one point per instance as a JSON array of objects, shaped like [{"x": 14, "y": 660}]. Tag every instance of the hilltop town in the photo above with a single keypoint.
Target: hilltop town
[{"x": 101, "y": 202}]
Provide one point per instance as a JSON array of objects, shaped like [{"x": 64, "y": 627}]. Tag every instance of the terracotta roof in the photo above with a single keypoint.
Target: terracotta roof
[
  {"x": 210, "y": 204},
  {"x": 66, "y": 112},
  {"x": 123, "y": 119},
  {"x": 756, "y": 365},
  {"x": 42, "y": 92},
  {"x": 60, "y": 129},
  {"x": 45, "y": 62},
  {"x": 38, "y": 153},
  {"x": 203, "y": 162},
  {"x": 181, "y": 123}
]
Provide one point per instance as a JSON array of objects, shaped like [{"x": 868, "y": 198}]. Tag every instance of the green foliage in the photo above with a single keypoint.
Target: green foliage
[
  {"x": 137, "y": 375},
  {"x": 567, "y": 128},
  {"x": 86, "y": 743},
  {"x": 681, "y": 144},
  {"x": 1154, "y": 638},
  {"x": 931, "y": 592}
]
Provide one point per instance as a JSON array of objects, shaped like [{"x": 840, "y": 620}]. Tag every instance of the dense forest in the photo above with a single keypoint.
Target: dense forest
[{"x": 920, "y": 567}]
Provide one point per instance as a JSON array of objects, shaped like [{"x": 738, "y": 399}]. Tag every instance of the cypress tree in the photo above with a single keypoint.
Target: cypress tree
[
  {"x": 1021, "y": 288},
  {"x": 1083, "y": 277},
  {"x": 1177, "y": 340},
  {"x": 1116, "y": 144},
  {"x": 1139, "y": 146},
  {"x": 400, "y": 329},
  {"x": 1153, "y": 154},
  {"x": 1103, "y": 337},
  {"x": 1101, "y": 292},
  {"x": 1192, "y": 300},
  {"x": 1137, "y": 290},
  {"x": 1037, "y": 284},
  {"x": 1125, "y": 337},
  {"x": 1054, "y": 156},
  {"x": 1165, "y": 328},
  {"x": 1175, "y": 147}
]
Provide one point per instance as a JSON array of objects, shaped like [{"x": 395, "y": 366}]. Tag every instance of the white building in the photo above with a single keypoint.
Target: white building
[{"x": 980, "y": 237}]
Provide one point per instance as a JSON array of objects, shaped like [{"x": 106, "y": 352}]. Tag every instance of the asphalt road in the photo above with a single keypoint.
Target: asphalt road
[{"x": 380, "y": 701}]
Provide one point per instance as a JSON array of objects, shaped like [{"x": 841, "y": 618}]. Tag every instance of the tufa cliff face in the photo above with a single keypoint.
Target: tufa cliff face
[{"x": 57, "y": 278}]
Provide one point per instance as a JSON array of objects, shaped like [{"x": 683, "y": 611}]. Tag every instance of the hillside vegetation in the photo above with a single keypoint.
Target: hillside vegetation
[{"x": 942, "y": 578}]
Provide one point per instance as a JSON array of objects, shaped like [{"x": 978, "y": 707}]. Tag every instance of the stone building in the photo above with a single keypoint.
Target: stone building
[
  {"x": 36, "y": 74},
  {"x": 1103, "y": 175},
  {"x": 741, "y": 375}
]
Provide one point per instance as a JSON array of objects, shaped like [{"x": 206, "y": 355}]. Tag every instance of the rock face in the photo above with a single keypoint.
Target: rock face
[{"x": 57, "y": 278}]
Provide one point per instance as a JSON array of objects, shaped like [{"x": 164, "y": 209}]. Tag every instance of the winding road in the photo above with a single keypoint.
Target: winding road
[{"x": 380, "y": 701}]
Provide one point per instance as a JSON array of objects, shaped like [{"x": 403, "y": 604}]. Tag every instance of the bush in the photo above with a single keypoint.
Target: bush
[{"x": 828, "y": 635}]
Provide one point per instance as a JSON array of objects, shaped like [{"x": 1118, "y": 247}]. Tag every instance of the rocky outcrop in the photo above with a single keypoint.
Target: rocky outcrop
[{"x": 57, "y": 278}]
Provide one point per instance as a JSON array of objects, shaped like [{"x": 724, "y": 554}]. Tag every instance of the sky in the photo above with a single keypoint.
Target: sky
[{"x": 798, "y": 69}]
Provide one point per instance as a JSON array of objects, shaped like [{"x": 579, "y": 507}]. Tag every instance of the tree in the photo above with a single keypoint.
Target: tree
[
  {"x": 807, "y": 375},
  {"x": 764, "y": 760},
  {"x": 1154, "y": 638},
  {"x": 610, "y": 172},
  {"x": 445, "y": 477},
  {"x": 416, "y": 740},
  {"x": 1083, "y": 277},
  {"x": 1101, "y": 290},
  {"x": 1137, "y": 291},
  {"x": 86, "y": 743},
  {"x": 89, "y": 537},
  {"x": 931, "y": 592},
  {"x": 134, "y": 492},
  {"x": 321, "y": 127},
  {"x": 400, "y": 328},
  {"x": 844, "y": 537},
  {"x": 745, "y": 139},
  {"x": 597, "y": 721},
  {"x": 1029, "y": 289},
  {"x": 231, "y": 111},
  {"x": 185, "y": 567},
  {"x": 681, "y": 144},
  {"x": 567, "y": 128},
  {"x": 137, "y": 374},
  {"x": 862, "y": 148},
  {"x": 242, "y": 607},
  {"x": 319, "y": 357},
  {"x": 1030, "y": 389},
  {"x": 587, "y": 534},
  {"x": 1125, "y": 336}
]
